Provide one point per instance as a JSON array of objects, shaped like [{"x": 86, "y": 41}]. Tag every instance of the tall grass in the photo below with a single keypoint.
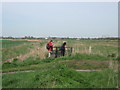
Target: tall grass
[{"x": 101, "y": 47}]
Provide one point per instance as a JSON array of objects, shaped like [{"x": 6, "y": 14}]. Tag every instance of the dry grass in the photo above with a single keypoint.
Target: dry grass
[{"x": 35, "y": 51}]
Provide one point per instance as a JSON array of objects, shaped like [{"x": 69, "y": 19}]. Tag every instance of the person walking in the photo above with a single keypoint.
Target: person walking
[
  {"x": 50, "y": 48},
  {"x": 62, "y": 49}
]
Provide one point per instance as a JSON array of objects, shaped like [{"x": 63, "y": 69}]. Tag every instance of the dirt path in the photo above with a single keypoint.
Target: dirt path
[
  {"x": 86, "y": 70},
  {"x": 18, "y": 72},
  {"x": 36, "y": 51},
  {"x": 39, "y": 51},
  {"x": 35, "y": 70}
]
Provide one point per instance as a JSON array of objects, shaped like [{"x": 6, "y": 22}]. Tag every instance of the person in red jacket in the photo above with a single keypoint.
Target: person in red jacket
[{"x": 50, "y": 49}]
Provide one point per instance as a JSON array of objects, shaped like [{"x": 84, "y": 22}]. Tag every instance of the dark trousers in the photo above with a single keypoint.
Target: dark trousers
[{"x": 62, "y": 52}]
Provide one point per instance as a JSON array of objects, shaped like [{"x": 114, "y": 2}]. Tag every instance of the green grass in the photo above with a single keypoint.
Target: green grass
[
  {"x": 78, "y": 56},
  {"x": 105, "y": 50},
  {"x": 100, "y": 47},
  {"x": 60, "y": 77},
  {"x": 13, "y": 52},
  {"x": 37, "y": 61},
  {"x": 32, "y": 63},
  {"x": 60, "y": 72},
  {"x": 8, "y": 43},
  {"x": 12, "y": 49},
  {"x": 102, "y": 79}
]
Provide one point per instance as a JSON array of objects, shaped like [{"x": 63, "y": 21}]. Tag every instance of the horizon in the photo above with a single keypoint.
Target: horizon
[{"x": 53, "y": 37}]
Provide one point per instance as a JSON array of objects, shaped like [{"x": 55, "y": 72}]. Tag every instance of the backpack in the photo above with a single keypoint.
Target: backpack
[{"x": 48, "y": 46}]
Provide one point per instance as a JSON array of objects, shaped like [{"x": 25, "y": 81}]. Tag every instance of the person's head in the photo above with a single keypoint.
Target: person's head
[
  {"x": 51, "y": 41},
  {"x": 64, "y": 43}
]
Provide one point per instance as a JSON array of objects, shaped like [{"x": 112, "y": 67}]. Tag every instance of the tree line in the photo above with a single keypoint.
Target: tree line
[{"x": 31, "y": 37}]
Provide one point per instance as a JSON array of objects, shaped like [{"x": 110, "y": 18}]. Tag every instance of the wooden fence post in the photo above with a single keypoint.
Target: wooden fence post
[{"x": 71, "y": 51}]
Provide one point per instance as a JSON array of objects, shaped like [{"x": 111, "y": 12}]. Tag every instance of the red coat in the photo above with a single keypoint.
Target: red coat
[{"x": 51, "y": 45}]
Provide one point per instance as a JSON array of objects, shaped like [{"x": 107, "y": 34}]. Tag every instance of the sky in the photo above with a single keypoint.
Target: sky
[{"x": 60, "y": 19}]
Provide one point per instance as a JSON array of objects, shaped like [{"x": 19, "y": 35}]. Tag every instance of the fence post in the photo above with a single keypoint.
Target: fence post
[
  {"x": 89, "y": 49},
  {"x": 71, "y": 51}
]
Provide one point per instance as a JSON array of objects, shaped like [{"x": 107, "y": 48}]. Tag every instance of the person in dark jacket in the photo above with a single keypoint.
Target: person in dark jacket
[{"x": 62, "y": 49}]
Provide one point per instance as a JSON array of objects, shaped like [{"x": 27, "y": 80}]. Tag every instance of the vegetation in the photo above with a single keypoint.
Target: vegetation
[
  {"x": 60, "y": 72},
  {"x": 80, "y": 62},
  {"x": 61, "y": 77},
  {"x": 9, "y": 43},
  {"x": 14, "y": 49}
]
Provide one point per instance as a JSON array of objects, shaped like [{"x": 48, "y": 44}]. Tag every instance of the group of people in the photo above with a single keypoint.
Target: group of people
[{"x": 50, "y": 48}]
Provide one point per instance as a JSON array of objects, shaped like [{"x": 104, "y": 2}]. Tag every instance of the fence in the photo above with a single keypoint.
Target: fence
[{"x": 57, "y": 53}]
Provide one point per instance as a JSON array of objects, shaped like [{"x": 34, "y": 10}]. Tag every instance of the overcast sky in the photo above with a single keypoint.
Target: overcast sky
[{"x": 66, "y": 19}]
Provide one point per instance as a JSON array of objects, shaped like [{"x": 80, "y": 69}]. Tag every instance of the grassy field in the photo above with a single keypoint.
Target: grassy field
[
  {"x": 18, "y": 49},
  {"x": 9, "y": 43},
  {"x": 61, "y": 77},
  {"x": 101, "y": 55}
]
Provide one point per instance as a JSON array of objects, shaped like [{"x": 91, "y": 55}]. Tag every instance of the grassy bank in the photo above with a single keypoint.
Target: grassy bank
[
  {"x": 78, "y": 61},
  {"x": 60, "y": 77}
]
